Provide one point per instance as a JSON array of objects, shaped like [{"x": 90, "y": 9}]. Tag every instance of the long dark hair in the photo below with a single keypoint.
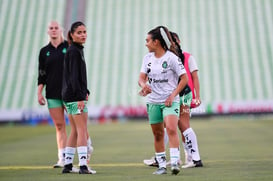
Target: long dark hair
[
  {"x": 162, "y": 34},
  {"x": 73, "y": 28},
  {"x": 175, "y": 37}
]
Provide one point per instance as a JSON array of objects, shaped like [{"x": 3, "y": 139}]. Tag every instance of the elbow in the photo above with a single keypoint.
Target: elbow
[{"x": 185, "y": 78}]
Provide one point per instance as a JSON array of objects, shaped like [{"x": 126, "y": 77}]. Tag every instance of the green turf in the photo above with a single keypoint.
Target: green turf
[{"x": 231, "y": 149}]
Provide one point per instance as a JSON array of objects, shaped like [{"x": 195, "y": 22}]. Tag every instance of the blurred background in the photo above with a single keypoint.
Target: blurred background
[{"x": 231, "y": 40}]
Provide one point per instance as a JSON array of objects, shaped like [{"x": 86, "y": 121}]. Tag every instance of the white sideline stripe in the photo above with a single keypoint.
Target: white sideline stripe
[
  {"x": 51, "y": 167},
  {"x": 126, "y": 164}
]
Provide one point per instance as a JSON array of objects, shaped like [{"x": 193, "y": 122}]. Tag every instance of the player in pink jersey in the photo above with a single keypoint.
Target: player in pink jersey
[{"x": 189, "y": 100}]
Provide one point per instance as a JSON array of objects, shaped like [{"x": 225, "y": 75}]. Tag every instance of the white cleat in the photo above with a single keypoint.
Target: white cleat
[
  {"x": 59, "y": 164},
  {"x": 151, "y": 162},
  {"x": 193, "y": 164},
  {"x": 160, "y": 171},
  {"x": 92, "y": 171},
  {"x": 75, "y": 170}
]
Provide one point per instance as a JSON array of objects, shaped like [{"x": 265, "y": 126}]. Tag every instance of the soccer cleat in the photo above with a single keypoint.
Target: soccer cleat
[
  {"x": 67, "y": 168},
  {"x": 198, "y": 163},
  {"x": 59, "y": 164},
  {"x": 151, "y": 162},
  {"x": 160, "y": 171},
  {"x": 92, "y": 171},
  {"x": 77, "y": 170},
  {"x": 193, "y": 164},
  {"x": 175, "y": 169},
  {"x": 74, "y": 170},
  {"x": 84, "y": 170}
]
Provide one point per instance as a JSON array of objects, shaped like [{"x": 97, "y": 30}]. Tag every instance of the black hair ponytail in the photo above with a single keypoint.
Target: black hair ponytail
[{"x": 178, "y": 48}]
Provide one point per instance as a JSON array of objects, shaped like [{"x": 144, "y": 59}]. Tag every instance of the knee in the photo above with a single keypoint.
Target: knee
[
  {"x": 158, "y": 135},
  {"x": 171, "y": 131},
  {"x": 60, "y": 126}
]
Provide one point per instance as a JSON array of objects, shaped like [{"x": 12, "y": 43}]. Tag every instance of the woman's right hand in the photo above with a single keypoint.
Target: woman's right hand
[
  {"x": 145, "y": 90},
  {"x": 41, "y": 99}
]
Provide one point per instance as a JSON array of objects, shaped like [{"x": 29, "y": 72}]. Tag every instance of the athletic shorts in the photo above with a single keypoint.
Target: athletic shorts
[
  {"x": 54, "y": 103},
  {"x": 72, "y": 108},
  {"x": 186, "y": 99},
  {"x": 157, "y": 112}
]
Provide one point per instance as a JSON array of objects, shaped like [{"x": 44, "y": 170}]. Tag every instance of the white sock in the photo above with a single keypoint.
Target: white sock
[
  {"x": 174, "y": 155},
  {"x": 90, "y": 149},
  {"x": 187, "y": 153},
  {"x": 89, "y": 142},
  {"x": 166, "y": 137},
  {"x": 82, "y": 155},
  {"x": 161, "y": 159},
  {"x": 69, "y": 155},
  {"x": 191, "y": 143},
  {"x": 61, "y": 154}
]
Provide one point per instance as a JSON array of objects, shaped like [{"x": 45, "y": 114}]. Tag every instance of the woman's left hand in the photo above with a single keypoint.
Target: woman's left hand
[
  {"x": 169, "y": 101},
  {"x": 81, "y": 105}
]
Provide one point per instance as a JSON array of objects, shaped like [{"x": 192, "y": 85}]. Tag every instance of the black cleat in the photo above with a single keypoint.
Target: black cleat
[
  {"x": 67, "y": 168},
  {"x": 175, "y": 169},
  {"x": 84, "y": 170},
  {"x": 198, "y": 163}
]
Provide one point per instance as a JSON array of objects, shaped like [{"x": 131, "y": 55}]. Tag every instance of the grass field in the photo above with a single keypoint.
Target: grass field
[{"x": 231, "y": 149}]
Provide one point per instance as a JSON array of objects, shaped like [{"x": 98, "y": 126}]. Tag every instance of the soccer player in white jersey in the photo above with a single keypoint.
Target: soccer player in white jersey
[
  {"x": 163, "y": 68},
  {"x": 189, "y": 98}
]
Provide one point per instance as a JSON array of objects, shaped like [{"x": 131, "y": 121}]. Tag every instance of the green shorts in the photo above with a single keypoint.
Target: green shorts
[
  {"x": 54, "y": 103},
  {"x": 72, "y": 108},
  {"x": 157, "y": 112},
  {"x": 186, "y": 99}
]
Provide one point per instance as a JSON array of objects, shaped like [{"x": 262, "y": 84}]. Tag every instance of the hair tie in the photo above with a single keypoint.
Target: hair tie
[{"x": 165, "y": 37}]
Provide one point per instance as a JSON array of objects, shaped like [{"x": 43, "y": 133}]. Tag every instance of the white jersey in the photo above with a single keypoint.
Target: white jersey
[
  {"x": 163, "y": 74},
  {"x": 192, "y": 64}
]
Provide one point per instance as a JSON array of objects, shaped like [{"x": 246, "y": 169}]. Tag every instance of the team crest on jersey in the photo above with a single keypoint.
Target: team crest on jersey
[
  {"x": 164, "y": 65},
  {"x": 64, "y": 51},
  {"x": 48, "y": 53}
]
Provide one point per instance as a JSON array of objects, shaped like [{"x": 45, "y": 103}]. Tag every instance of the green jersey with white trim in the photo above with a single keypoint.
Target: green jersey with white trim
[{"x": 163, "y": 74}]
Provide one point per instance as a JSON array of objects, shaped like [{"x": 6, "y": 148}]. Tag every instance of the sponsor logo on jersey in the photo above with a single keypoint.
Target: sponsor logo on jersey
[{"x": 160, "y": 80}]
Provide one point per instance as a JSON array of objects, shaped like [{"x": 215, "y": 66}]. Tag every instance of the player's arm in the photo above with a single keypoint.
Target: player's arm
[
  {"x": 196, "y": 85},
  {"x": 181, "y": 85},
  {"x": 142, "y": 82},
  {"x": 41, "y": 78}
]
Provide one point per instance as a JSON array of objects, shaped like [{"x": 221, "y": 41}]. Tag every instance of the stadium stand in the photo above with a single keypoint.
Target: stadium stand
[{"x": 232, "y": 42}]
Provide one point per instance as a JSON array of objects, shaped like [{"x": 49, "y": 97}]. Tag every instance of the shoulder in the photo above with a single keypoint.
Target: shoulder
[
  {"x": 192, "y": 58},
  {"x": 148, "y": 56},
  {"x": 72, "y": 48},
  {"x": 44, "y": 48},
  {"x": 186, "y": 53},
  {"x": 65, "y": 44},
  {"x": 171, "y": 55},
  {"x": 73, "y": 51}
]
